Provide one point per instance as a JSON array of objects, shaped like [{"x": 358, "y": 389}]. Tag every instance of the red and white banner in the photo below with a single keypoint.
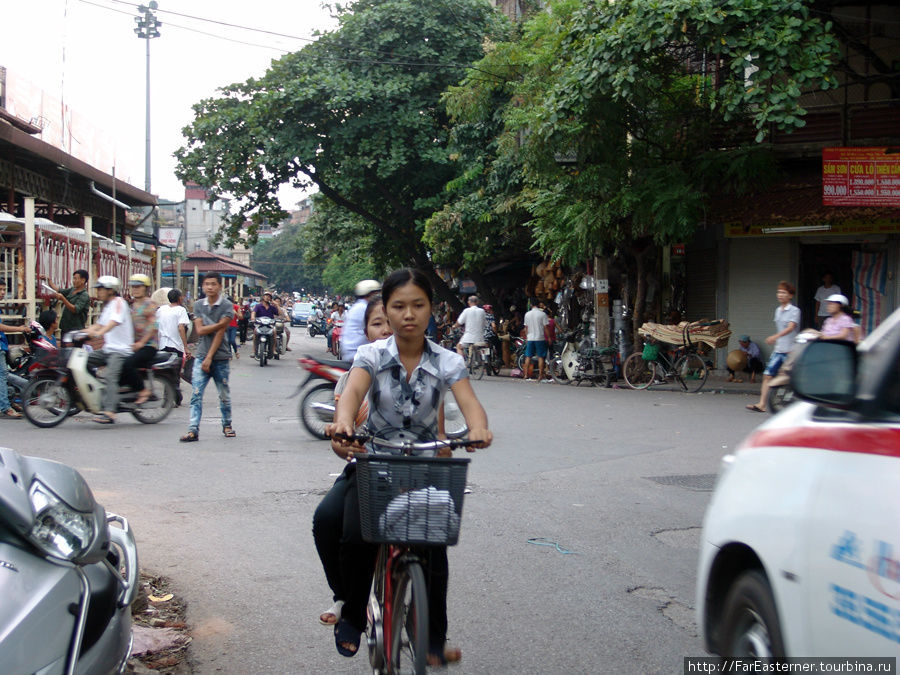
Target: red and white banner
[{"x": 860, "y": 177}]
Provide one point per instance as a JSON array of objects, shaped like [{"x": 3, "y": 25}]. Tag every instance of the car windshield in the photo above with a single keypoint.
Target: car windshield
[{"x": 302, "y": 308}]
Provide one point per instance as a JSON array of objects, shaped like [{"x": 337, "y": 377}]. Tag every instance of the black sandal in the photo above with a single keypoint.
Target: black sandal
[
  {"x": 190, "y": 437},
  {"x": 228, "y": 431},
  {"x": 346, "y": 634}
]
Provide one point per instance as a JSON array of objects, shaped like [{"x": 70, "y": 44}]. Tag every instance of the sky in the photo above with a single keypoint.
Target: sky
[{"x": 86, "y": 53}]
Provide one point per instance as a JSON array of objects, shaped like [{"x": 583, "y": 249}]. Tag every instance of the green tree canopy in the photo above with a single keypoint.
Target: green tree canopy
[
  {"x": 628, "y": 115},
  {"x": 281, "y": 259},
  {"x": 356, "y": 114}
]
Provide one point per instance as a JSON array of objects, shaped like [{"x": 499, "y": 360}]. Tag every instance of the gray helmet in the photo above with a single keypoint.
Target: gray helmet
[
  {"x": 366, "y": 286},
  {"x": 108, "y": 281}
]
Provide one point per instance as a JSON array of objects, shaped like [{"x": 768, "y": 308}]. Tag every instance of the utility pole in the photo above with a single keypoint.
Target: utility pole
[{"x": 147, "y": 28}]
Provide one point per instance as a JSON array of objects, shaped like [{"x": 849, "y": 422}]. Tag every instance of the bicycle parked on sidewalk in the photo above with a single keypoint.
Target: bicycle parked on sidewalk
[
  {"x": 658, "y": 365},
  {"x": 406, "y": 502}
]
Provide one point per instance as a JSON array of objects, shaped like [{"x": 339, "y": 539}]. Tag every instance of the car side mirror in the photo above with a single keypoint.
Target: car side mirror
[{"x": 826, "y": 373}]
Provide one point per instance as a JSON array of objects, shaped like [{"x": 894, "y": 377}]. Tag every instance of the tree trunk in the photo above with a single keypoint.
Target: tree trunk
[
  {"x": 441, "y": 289},
  {"x": 640, "y": 256},
  {"x": 485, "y": 292}
]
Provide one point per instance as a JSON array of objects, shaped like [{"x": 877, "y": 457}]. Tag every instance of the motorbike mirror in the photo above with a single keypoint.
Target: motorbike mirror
[{"x": 826, "y": 373}]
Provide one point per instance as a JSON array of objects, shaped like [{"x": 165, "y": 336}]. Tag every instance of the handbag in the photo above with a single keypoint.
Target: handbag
[{"x": 188, "y": 369}]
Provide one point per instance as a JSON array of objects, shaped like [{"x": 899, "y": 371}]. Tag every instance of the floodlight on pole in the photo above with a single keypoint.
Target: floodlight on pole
[{"x": 147, "y": 28}]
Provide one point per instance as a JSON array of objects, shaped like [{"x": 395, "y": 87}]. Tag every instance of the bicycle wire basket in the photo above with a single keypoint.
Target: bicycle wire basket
[
  {"x": 651, "y": 352},
  {"x": 411, "y": 500}
]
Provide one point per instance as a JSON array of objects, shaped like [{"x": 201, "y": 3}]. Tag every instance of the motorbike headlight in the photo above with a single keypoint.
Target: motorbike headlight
[{"x": 59, "y": 530}]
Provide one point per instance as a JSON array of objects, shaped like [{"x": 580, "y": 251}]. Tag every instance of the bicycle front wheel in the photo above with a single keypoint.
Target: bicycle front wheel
[
  {"x": 691, "y": 372},
  {"x": 409, "y": 623},
  {"x": 638, "y": 373}
]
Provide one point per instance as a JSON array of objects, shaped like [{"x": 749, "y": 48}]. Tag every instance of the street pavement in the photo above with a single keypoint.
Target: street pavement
[{"x": 579, "y": 542}]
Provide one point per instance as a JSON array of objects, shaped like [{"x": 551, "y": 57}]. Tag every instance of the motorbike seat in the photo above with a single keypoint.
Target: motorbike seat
[
  {"x": 162, "y": 357},
  {"x": 333, "y": 363}
]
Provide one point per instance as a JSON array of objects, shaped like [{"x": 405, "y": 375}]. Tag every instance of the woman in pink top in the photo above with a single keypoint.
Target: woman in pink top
[{"x": 839, "y": 325}]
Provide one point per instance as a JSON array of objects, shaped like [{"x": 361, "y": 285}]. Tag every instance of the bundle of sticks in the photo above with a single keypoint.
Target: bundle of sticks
[{"x": 714, "y": 333}]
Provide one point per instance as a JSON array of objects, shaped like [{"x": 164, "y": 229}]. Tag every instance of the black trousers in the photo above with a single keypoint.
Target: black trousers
[
  {"x": 177, "y": 381},
  {"x": 349, "y": 562},
  {"x": 142, "y": 358}
]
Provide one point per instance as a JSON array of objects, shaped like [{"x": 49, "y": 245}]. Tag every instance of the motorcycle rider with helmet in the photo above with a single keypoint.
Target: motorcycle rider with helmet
[
  {"x": 264, "y": 308},
  {"x": 143, "y": 318},
  {"x": 354, "y": 332},
  {"x": 117, "y": 331}
]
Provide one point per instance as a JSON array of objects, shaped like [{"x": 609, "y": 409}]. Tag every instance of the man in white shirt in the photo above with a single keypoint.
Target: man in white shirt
[
  {"x": 354, "y": 332},
  {"x": 536, "y": 323},
  {"x": 828, "y": 288},
  {"x": 473, "y": 319},
  {"x": 173, "y": 322},
  {"x": 115, "y": 326}
]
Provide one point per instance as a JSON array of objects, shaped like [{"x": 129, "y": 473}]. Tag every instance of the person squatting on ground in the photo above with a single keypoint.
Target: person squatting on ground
[
  {"x": 76, "y": 302},
  {"x": 172, "y": 323},
  {"x": 353, "y": 333},
  {"x": 536, "y": 323},
  {"x": 473, "y": 319},
  {"x": 6, "y": 409},
  {"x": 212, "y": 315},
  {"x": 787, "y": 325},
  {"x": 143, "y": 319},
  {"x": 117, "y": 331},
  {"x": 754, "y": 360},
  {"x": 404, "y": 378}
]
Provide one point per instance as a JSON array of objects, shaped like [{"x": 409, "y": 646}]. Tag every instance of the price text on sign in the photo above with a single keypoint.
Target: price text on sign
[{"x": 860, "y": 177}]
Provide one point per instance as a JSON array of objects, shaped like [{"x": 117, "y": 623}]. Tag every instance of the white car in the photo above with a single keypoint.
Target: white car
[{"x": 800, "y": 553}]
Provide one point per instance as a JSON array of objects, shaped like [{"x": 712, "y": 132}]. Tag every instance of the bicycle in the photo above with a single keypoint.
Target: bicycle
[
  {"x": 478, "y": 360},
  {"x": 405, "y": 502},
  {"x": 657, "y": 366}
]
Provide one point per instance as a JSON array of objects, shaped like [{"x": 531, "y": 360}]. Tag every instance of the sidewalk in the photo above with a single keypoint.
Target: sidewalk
[{"x": 715, "y": 384}]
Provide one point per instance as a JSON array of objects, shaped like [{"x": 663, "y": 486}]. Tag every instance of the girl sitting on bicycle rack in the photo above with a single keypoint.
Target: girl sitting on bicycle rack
[
  {"x": 405, "y": 378},
  {"x": 329, "y": 516}
]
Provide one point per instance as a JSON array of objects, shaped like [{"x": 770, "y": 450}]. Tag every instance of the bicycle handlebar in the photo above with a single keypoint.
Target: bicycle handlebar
[{"x": 406, "y": 446}]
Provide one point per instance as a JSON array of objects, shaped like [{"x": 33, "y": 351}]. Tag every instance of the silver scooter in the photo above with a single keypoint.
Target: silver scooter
[{"x": 68, "y": 573}]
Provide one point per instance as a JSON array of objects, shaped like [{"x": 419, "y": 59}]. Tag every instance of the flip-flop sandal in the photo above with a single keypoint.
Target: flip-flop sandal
[
  {"x": 335, "y": 611},
  {"x": 755, "y": 408},
  {"x": 190, "y": 437},
  {"x": 344, "y": 633},
  {"x": 228, "y": 431},
  {"x": 104, "y": 419},
  {"x": 444, "y": 656},
  {"x": 11, "y": 413}
]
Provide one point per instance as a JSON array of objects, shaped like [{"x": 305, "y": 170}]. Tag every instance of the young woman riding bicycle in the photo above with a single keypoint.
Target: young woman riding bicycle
[{"x": 404, "y": 379}]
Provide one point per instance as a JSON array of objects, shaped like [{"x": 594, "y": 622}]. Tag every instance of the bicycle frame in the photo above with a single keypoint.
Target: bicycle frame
[{"x": 389, "y": 556}]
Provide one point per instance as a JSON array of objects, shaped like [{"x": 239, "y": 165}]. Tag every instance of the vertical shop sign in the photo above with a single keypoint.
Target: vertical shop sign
[{"x": 860, "y": 177}]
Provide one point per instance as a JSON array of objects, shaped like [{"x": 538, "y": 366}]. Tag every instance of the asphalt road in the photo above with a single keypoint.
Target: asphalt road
[{"x": 619, "y": 479}]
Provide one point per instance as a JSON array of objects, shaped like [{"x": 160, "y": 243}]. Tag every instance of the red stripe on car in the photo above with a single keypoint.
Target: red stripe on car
[{"x": 865, "y": 439}]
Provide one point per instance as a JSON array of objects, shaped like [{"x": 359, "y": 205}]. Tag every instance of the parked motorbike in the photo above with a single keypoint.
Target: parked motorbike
[
  {"x": 70, "y": 381},
  {"x": 26, "y": 362},
  {"x": 68, "y": 573},
  {"x": 781, "y": 394},
  {"x": 582, "y": 362},
  {"x": 265, "y": 345},
  {"x": 280, "y": 339}
]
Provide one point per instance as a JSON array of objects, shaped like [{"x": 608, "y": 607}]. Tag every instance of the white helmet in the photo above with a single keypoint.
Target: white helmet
[
  {"x": 108, "y": 281},
  {"x": 366, "y": 286},
  {"x": 837, "y": 297}
]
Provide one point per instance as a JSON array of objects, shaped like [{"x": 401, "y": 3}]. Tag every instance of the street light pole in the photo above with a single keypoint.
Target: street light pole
[{"x": 147, "y": 28}]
